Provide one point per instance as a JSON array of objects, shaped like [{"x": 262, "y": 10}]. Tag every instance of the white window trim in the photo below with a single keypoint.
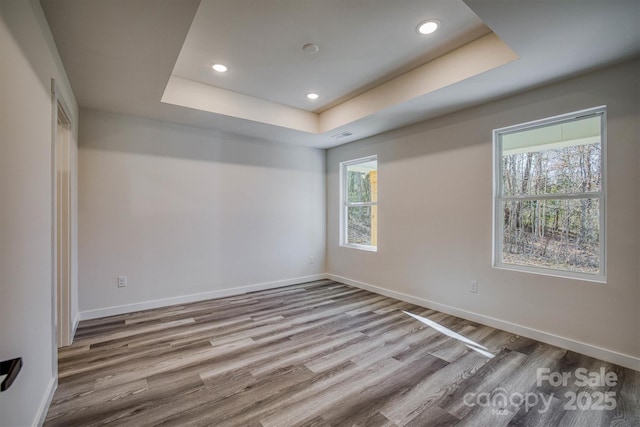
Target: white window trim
[
  {"x": 498, "y": 213},
  {"x": 344, "y": 205}
]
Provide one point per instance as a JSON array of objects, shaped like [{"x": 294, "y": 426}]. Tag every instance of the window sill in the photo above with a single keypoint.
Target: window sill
[
  {"x": 594, "y": 278},
  {"x": 361, "y": 247}
]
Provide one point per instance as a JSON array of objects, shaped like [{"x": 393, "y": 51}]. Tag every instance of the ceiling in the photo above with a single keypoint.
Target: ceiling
[
  {"x": 373, "y": 71},
  {"x": 361, "y": 44}
]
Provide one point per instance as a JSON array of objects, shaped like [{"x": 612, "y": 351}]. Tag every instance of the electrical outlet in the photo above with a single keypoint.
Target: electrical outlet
[
  {"x": 474, "y": 287},
  {"x": 311, "y": 260},
  {"x": 122, "y": 281}
]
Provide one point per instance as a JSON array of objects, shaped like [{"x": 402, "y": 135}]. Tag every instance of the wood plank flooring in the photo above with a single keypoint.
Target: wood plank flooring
[{"x": 322, "y": 354}]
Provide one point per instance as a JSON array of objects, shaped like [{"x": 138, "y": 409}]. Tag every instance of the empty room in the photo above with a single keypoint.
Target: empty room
[{"x": 320, "y": 213}]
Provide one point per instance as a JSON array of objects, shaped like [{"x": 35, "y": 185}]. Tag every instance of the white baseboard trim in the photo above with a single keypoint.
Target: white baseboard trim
[
  {"x": 611, "y": 356},
  {"x": 74, "y": 325},
  {"x": 41, "y": 415},
  {"x": 184, "y": 299}
]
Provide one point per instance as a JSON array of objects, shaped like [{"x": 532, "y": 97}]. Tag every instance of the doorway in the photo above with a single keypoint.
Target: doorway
[{"x": 63, "y": 225}]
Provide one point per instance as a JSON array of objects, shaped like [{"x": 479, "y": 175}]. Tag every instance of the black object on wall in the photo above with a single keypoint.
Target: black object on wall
[{"x": 10, "y": 368}]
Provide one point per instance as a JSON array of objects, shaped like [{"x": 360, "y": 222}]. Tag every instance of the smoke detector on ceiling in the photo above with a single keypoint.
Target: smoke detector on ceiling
[{"x": 310, "y": 48}]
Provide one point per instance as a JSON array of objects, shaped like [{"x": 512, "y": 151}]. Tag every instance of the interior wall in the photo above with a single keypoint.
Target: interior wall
[
  {"x": 28, "y": 62},
  {"x": 435, "y": 216},
  {"x": 184, "y": 211}
]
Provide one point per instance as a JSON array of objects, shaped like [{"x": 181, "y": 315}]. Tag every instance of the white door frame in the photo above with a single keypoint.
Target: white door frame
[{"x": 61, "y": 221}]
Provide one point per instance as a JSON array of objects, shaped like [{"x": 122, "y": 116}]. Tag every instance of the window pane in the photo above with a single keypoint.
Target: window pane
[
  {"x": 561, "y": 158},
  {"x": 359, "y": 225},
  {"x": 361, "y": 182},
  {"x": 556, "y": 234}
]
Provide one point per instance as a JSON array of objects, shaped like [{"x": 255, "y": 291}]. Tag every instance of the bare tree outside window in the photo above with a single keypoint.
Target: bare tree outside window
[
  {"x": 360, "y": 203},
  {"x": 549, "y": 195}
]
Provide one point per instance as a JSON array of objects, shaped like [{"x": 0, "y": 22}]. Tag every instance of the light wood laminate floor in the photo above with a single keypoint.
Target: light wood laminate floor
[{"x": 323, "y": 354}]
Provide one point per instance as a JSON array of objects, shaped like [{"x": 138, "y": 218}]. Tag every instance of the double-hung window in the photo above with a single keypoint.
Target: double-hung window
[
  {"x": 549, "y": 195},
  {"x": 359, "y": 203}
]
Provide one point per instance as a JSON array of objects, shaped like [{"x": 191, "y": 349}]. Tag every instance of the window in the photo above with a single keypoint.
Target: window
[
  {"x": 359, "y": 204},
  {"x": 550, "y": 196}
]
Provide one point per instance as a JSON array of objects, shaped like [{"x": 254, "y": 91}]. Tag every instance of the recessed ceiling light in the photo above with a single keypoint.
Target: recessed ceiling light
[
  {"x": 429, "y": 26},
  {"x": 313, "y": 96},
  {"x": 219, "y": 68}
]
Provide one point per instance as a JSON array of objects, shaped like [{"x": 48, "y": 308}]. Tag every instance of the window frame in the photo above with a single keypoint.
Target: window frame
[
  {"x": 498, "y": 195},
  {"x": 345, "y": 204}
]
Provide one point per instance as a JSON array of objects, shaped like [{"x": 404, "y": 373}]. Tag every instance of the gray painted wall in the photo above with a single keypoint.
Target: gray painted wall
[
  {"x": 435, "y": 216},
  {"x": 184, "y": 211},
  {"x": 28, "y": 62}
]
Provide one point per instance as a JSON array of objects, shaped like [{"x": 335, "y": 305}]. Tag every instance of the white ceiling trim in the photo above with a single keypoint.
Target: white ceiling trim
[{"x": 481, "y": 55}]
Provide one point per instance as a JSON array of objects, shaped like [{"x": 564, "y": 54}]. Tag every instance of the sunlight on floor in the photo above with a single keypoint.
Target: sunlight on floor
[{"x": 469, "y": 343}]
